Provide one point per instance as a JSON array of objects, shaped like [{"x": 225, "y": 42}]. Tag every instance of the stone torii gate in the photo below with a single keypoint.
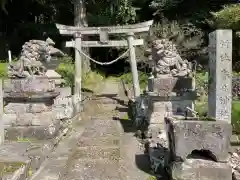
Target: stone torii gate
[{"x": 104, "y": 41}]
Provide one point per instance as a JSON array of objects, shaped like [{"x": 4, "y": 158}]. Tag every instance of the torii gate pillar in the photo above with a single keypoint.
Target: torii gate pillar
[
  {"x": 78, "y": 66},
  {"x": 133, "y": 64}
]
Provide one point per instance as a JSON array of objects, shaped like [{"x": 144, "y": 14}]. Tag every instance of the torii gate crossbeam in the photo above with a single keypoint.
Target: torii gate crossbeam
[{"x": 103, "y": 33}]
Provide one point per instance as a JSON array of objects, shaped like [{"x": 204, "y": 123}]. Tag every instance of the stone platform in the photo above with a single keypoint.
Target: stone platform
[{"x": 200, "y": 169}]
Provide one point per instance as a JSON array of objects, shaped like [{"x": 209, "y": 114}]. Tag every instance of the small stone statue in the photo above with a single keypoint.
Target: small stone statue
[
  {"x": 167, "y": 60},
  {"x": 34, "y": 53}
]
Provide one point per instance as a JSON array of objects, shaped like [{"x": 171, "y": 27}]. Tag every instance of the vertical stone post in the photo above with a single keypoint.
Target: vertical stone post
[
  {"x": 1, "y": 114},
  {"x": 220, "y": 75},
  {"x": 78, "y": 66},
  {"x": 133, "y": 64}
]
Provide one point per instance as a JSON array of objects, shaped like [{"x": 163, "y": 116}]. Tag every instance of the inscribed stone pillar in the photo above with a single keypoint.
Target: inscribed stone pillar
[{"x": 220, "y": 75}]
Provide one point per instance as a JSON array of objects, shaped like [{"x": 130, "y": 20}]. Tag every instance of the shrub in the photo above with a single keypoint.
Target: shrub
[
  {"x": 228, "y": 17},
  {"x": 66, "y": 70},
  {"x": 142, "y": 79},
  {"x": 202, "y": 109},
  {"x": 3, "y": 70}
]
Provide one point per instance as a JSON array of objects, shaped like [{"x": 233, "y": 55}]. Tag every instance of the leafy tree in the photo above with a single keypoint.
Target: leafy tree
[{"x": 228, "y": 17}]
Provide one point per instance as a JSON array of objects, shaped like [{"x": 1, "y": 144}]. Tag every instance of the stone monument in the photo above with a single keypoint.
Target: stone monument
[
  {"x": 170, "y": 92},
  {"x": 197, "y": 147},
  {"x": 35, "y": 57},
  {"x": 170, "y": 88},
  {"x": 30, "y": 95},
  {"x": 220, "y": 75}
]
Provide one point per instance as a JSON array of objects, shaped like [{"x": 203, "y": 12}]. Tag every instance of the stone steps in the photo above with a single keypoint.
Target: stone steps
[
  {"x": 98, "y": 153},
  {"x": 105, "y": 141},
  {"x": 93, "y": 170},
  {"x": 51, "y": 169}
]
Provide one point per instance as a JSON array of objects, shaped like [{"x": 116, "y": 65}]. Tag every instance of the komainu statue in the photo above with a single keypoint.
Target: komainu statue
[
  {"x": 34, "y": 54},
  {"x": 167, "y": 61}
]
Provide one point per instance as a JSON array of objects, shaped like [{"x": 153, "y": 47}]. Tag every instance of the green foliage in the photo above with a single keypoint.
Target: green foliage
[
  {"x": 228, "y": 17},
  {"x": 66, "y": 70},
  {"x": 162, "y": 5},
  {"x": 236, "y": 117},
  {"x": 112, "y": 12},
  {"x": 142, "y": 79},
  {"x": 3, "y": 70},
  {"x": 202, "y": 108},
  {"x": 187, "y": 37}
]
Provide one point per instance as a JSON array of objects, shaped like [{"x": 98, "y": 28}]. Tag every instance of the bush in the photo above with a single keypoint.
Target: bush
[
  {"x": 142, "y": 79},
  {"x": 3, "y": 70},
  {"x": 66, "y": 70},
  {"x": 202, "y": 109},
  {"x": 228, "y": 17}
]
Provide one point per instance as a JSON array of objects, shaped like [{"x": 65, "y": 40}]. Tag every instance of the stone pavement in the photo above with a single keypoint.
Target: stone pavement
[{"x": 97, "y": 148}]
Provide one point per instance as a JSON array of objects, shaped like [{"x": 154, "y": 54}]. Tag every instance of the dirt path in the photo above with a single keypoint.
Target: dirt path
[{"x": 97, "y": 148}]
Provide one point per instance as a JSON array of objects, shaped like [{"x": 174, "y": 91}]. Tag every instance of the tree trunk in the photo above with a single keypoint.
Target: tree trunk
[{"x": 81, "y": 21}]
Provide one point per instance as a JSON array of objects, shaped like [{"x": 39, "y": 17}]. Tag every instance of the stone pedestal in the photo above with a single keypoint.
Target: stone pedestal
[
  {"x": 53, "y": 75},
  {"x": 199, "y": 149},
  {"x": 66, "y": 107},
  {"x": 201, "y": 169},
  {"x": 167, "y": 96},
  {"x": 28, "y": 111}
]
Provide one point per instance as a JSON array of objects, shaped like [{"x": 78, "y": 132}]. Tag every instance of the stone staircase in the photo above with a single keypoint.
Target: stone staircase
[{"x": 97, "y": 147}]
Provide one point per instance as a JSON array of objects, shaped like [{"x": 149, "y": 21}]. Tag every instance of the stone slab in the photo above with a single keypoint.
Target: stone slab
[
  {"x": 110, "y": 153},
  {"x": 37, "y": 132},
  {"x": 14, "y": 152},
  {"x": 200, "y": 169},
  {"x": 185, "y": 136},
  {"x": 93, "y": 170},
  {"x": 63, "y": 111},
  {"x": 66, "y": 107},
  {"x": 29, "y": 119},
  {"x": 103, "y": 123},
  {"x": 86, "y": 142},
  {"x": 64, "y": 91},
  {"x": 166, "y": 85},
  {"x": 28, "y": 85},
  {"x": 52, "y": 169},
  {"x": 169, "y": 106},
  {"x": 101, "y": 132},
  {"x": 15, "y": 108},
  {"x": 157, "y": 110}
]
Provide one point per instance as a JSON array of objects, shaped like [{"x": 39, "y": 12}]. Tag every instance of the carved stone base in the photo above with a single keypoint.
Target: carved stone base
[
  {"x": 157, "y": 110},
  {"x": 32, "y": 132},
  {"x": 167, "y": 84},
  {"x": 211, "y": 137},
  {"x": 201, "y": 169}
]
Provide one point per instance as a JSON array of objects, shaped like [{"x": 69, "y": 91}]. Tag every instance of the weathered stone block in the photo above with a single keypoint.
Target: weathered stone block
[
  {"x": 38, "y": 132},
  {"x": 87, "y": 142},
  {"x": 63, "y": 111},
  {"x": 200, "y": 169},
  {"x": 28, "y": 85},
  {"x": 166, "y": 85},
  {"x": 15, "y": 108},
  {"x": 29, "y": 119},
  {"x": 64, "y": 91},
  {"x": 37, "y": 119},
  {"x": 157, "y": 110},
  {"x": 111, "y": 153},
  {"x": 185, "y": 136},
  {"x": 9, "y": 119}
]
